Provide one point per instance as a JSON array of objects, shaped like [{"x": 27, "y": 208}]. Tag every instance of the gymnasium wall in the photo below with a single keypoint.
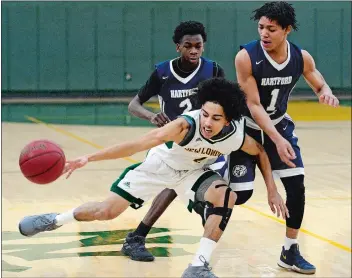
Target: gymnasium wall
[{"x": 90, "y": 46}]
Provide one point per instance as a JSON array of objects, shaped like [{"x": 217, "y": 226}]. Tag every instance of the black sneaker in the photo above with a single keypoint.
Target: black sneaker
[
  {"x": 293, "y": 260},
  {"x": 134, "y": 247}
]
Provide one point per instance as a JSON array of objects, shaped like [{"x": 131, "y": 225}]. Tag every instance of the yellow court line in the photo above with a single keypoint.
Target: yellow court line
[
  {"x": 311, "y": 199},
  {"x": 69, "y": 134},
  {"x": 334, "y": 243}
]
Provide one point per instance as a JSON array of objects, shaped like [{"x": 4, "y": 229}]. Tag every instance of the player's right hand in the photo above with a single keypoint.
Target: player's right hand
[
  {"x": 160, "y": 119},
  {"x": 72, "y": 165},
  {"x": 286, "y": 152}
]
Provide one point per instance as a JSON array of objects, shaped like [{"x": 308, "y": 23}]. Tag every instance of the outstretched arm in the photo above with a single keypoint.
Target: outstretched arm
[
  {"x": 250, "y": 88},
  {"x": 252, "y": 147},
  {"x": 317, "y": 82},
  {"x": 174, "y": 131}
]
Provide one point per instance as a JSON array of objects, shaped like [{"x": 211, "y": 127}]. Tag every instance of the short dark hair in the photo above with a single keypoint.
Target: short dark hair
[
  {"x": 226, "y": 93},
  {"x": 189, "y": 28},
  {"x": 280, "y": 11}
]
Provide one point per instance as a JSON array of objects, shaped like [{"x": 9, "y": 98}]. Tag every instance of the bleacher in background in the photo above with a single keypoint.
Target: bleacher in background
[{"x": 90, "y": 48}]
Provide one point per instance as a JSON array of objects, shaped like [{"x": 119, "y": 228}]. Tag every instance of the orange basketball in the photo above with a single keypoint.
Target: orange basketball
[{"x": 42, "y": 161}]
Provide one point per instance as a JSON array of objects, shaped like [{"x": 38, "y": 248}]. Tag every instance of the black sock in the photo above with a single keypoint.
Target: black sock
[{"x": 142, "y": 230}]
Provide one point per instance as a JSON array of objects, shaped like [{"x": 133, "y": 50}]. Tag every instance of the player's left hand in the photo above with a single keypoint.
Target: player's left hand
[
  {"x": 329, "y": 99},
  {"x": 277, "y": 204},
  {"x": 160, "y": 119},
  {"x": 72, "y": 165}
]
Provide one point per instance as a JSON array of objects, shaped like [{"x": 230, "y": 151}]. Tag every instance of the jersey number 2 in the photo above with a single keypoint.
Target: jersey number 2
[
  {"x": 274, "y": 95},
  {"x": 186, "y": 104}
]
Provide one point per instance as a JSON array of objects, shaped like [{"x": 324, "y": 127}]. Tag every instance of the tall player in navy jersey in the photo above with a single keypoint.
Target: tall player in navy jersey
[
  {"x": 175, "y": 83},
  {"x": 267, "y": 70}
]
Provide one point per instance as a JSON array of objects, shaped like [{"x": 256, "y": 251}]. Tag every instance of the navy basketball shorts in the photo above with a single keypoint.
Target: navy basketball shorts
[{"x": 239, "y": 167}]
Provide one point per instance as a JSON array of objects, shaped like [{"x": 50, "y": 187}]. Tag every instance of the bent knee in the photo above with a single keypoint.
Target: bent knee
[
  {"x": 232, "y": 199},
  {"x": 294, "y": 187},
  {"x": 221, "y": 195}
]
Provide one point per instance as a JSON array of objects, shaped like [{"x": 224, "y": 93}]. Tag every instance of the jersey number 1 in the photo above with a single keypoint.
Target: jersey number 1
[
  {"x": 187, "y": 104},
  {"x": 274, "y": 95}
]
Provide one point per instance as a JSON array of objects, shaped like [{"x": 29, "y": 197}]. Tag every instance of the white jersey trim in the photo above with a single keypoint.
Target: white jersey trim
[
  {"x": 288, "y": 172},
  {"x": 161, "y": 103},
  {"x": 273, "y": 63},
  {"x": 241, "y": 186},
  {"x": 250, "y": 123},
  {"x": 189, "y": 77}
]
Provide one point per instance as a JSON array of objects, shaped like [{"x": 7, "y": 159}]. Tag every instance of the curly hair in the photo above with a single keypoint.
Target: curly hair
[
  {"x": 189, "y": 28},
  {"x": 226, "y": 93},
  {"x": 280, "y": 11}
]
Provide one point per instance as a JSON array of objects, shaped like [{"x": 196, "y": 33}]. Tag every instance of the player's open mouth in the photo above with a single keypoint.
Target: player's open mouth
[
  {"x": 193, "y": 59},
  {"x": 266, "y": 43},
  {"x": 207, "y": 131}
]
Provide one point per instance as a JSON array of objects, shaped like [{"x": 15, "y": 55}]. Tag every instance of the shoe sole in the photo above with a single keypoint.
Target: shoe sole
[
  {"x": 294, "y": 268},
  {"x": 148, "y": 259}
]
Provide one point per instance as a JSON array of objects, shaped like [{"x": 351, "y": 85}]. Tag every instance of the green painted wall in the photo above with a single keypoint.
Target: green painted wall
[
  {"x": 89, "y": 46},
  {"x": 73, "y": 113},
  {"x": 115, "y": 114}
]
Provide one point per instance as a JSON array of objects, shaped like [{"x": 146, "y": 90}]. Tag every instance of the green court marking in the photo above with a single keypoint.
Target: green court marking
[
  {"x": 156, "y": 251},
  {"x": 42, "y": 251}
]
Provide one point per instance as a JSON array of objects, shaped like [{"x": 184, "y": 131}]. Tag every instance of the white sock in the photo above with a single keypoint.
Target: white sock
[
  {"x": 206, "y": 247},
  {"x": 289, "y": 242},
  {"x": 65, "y": 218}
]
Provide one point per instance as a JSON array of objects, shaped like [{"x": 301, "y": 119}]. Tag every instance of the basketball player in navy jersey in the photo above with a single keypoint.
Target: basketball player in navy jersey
[
  {"x": 175, "y": 83},
  {"x": 267, "y": 70}
]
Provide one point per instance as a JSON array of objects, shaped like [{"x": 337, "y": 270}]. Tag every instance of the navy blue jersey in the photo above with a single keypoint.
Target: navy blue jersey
[
  {"x": 275, "y": 81},
  {"x": 178, "y": 95}
]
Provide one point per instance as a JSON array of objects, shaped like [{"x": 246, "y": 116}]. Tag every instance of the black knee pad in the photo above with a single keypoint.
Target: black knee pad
[
  {"x": 199, "y": 208},
  {"x": 243, "y": 196},
  {"x": 224, "y": 211},
  {"x": 295, "y": 202}
]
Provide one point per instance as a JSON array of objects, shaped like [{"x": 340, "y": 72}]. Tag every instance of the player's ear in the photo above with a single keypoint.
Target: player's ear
[
  {"x": 177, "y": 47},
  {"x": 227, "y": 123},
  {"x": 288, "y": 29}
]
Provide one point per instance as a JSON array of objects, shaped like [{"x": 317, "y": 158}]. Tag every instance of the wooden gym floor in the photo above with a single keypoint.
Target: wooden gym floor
[{"x": 249, "y": 247}]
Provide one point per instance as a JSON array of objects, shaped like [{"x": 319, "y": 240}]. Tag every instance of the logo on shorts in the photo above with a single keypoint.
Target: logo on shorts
[
  {"x": 126, "y": 183},
  {"x": 239, "y": 170}
]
